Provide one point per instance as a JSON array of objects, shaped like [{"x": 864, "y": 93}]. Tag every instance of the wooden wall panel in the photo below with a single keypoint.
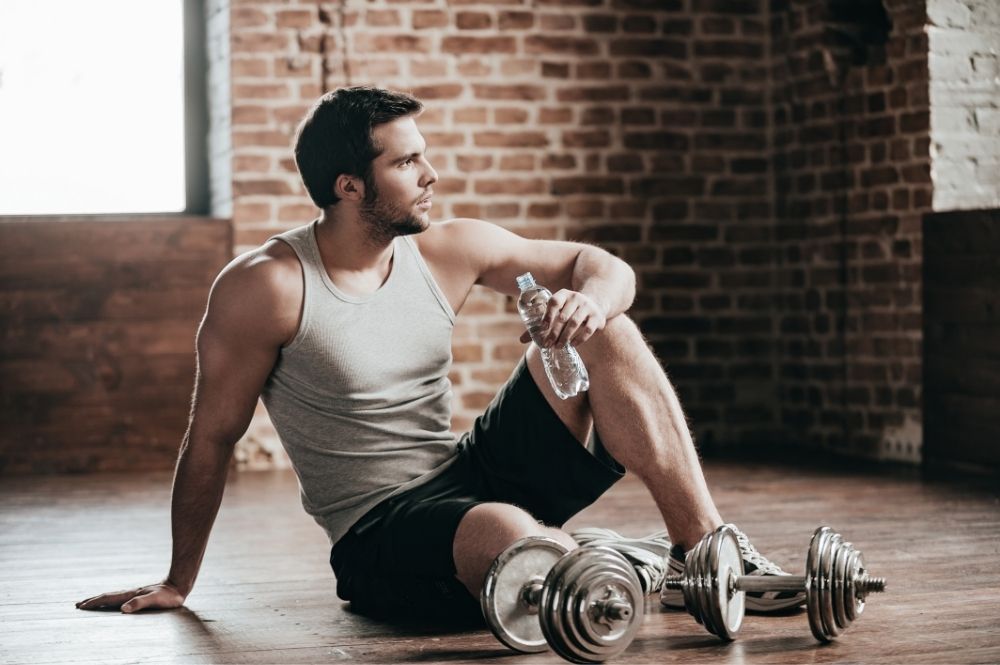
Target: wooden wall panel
[
  {"x": 98, "y": 317},
  {"x": 962, "y": 338}
]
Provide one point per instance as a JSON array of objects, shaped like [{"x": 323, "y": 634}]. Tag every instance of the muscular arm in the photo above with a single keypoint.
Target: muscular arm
[
  {"x": 251, "y": 313},
  {"x": 589, "y": 285}
]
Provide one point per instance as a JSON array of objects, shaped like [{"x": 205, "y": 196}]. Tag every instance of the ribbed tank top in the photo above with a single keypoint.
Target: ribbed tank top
[{"x": 360, "y": 397}]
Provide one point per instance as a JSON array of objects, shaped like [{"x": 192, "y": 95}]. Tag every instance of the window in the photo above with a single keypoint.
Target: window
[{"x": 92, "y": 107}]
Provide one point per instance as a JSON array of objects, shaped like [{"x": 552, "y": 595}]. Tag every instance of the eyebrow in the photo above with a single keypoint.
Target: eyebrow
[{"x": 410, "y": 155}]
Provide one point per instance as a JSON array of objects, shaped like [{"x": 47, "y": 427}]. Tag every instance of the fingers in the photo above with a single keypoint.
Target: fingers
[
  {"x": 158, "y": 596},
  {"x": 107, "y": 601},
  {"x": 141, "y": 602},
  {"x": 571, "y": 318}
]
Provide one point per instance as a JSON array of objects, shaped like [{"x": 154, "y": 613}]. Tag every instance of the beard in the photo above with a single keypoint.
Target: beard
[{"x": 386, "y": 219}]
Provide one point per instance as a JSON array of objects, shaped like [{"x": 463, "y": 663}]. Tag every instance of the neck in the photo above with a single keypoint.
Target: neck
[{"x": 346, "y": 243}]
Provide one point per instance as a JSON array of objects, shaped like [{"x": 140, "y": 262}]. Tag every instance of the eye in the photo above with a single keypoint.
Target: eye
[{"x": 406, "y": 162}]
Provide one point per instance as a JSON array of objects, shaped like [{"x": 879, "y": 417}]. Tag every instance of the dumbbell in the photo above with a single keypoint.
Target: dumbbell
[
  {"x": 836, "y": 583},
  {"x": 586, "y": 604}
]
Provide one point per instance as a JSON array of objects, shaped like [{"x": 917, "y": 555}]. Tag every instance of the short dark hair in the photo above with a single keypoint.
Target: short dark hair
[{"x": 335, "y": 137}]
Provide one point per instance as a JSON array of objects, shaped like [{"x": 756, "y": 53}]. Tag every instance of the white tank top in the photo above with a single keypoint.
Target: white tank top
[{"x": 361, "y": 398}]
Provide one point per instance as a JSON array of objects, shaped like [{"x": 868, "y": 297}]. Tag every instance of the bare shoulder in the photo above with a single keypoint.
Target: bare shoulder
[
  {"x": 493, "y": 256},
  {"x": 260, "y": 293}
]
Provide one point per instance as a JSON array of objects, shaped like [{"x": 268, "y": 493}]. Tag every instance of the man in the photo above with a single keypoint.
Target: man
[{"x": 344, "y": 326}]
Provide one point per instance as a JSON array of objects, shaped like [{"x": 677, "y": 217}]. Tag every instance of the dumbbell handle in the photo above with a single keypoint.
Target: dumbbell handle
[
  {"x": 611, "y": 608},
  {"x": 763, "y": 583}
]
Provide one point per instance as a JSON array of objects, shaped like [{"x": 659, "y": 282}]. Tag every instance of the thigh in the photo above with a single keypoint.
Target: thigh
[
  {"x": 525, "y": 455},
  {"x": 399, "y": 562}
]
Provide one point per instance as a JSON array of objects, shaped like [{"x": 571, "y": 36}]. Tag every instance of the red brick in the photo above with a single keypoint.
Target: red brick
[
  {"x": 382, "y": 17},
  {"x": 397, "y": 43},
  {"x": 561, "y": 45},
  {"x": 639, "y": 24},
  {"x": 263, "y": 186},
  {"x": 251, "y": 164},
  {"x": 246, "y": 91},
  {"x": 301, "y": 213},
  {"x": 508, "y": 116},
  {"x": 258, "y": 42},
  {"x": 467, "y": 45},
  {"x": 510, "y": 186},
  {"x": 555, "y": 115},
  {"x": 555, "y": 70},
  {"x": 590, "y": 139},
  {"x": 603, "y": 93},
  {"x": 650, "y": 47},
  {"x": 248, "y": 17},
  {"x": 426, "y": 68},
  {"x": 249, "y": 115},
  {"x": 440, "y": 91},
  {"x": 600, "y": 23},
  {"x": 510, "y": 20},
  {"x": 558, "y": 162},
  {"x": 253, "y": 139},
  {"x": 593, "y": 70},
  {"x": 544, "y": 210},
  {"x": 473, "y": 20},
  {"x": 512, "y": 139},
  {"x": 243, "y": 66},
  {"x": 516, "y": 92},
  {"x": 429, "y": 18},
  {"x": 587, "y": 185},
  {"x": 474, "y": 67},
  {"x": 474, "y": 162},
  {"x": 557, "y": 22},
  {"x": 517, "y": 162},
  {"x": 503, "y": 210},
  {"x": 584, "y": 209},
  {"x": 519, "y": 67},
  {"x": 246, "y": 213},
  {"x": 470, "y": 116},
  {"x": 296, "y": 18},
  {"x": 634, "y": 69}
]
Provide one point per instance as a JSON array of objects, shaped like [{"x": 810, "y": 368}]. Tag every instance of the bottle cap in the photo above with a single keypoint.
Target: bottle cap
[{"x": 525, "y": 281}]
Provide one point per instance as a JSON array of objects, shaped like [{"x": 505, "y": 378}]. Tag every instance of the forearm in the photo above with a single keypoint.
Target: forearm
[
  {"x": 197, "y": 493},
  {"x": 606, "y": 279}
]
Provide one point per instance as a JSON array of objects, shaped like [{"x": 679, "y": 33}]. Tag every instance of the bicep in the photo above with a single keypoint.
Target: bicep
[
  {"x": 498, "y": 256},
  {"x": 237, "y": 345}
]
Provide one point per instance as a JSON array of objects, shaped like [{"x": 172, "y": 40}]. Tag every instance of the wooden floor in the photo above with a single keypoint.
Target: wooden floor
[{"x": 266, "y": 594}]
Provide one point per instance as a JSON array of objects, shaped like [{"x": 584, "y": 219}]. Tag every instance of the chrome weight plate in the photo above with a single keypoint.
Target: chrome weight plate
[
  {"x": 592, "y": 605},
  {"x": 512, "y": 589},
  {"x": 726, "y": 564}
]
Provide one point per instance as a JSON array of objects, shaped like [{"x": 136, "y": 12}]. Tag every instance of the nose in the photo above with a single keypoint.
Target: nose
[{"x": 430, "y": 175}]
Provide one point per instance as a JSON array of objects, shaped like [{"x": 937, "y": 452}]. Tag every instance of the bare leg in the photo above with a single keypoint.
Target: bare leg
[
  {"x": 486, "y": 531},
  {"x": 640, "y": 421}
]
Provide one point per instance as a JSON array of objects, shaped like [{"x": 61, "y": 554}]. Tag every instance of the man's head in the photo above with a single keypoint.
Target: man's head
[
  {"x": 337, "y": 138},
  {"x": 361, "y": 145}
]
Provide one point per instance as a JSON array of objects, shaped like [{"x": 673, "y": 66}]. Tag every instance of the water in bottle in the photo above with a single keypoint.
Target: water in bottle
[{"x": 563, "y": 365}]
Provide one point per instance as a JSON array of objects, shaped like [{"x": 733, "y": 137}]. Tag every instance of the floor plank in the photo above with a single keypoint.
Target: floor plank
[{"x": 266, "y": 594}]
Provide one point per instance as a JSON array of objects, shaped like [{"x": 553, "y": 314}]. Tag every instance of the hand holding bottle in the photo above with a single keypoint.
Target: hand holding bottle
[
  {"x": 562, "y": 362},
  {"x": 571, "y": 318}
]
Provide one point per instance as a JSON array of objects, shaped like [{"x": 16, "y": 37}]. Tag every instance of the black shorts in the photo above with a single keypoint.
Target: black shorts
[{"x": 397, "y": 560}]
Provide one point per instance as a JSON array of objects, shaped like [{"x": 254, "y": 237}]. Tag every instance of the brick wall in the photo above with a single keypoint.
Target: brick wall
[
  {"x": 762, "y": 164},
  {"x": 964, "y": 65},
  {"x": 852, "y": 179},
  {"x": 637, "y": 125}
]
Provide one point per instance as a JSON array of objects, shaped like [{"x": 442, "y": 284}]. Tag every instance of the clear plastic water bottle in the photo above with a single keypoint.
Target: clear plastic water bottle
[{"x": 563, "y": 366}]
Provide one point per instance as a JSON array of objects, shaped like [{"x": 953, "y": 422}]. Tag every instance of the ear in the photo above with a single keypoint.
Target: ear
[{"x": 349, "y": 187}]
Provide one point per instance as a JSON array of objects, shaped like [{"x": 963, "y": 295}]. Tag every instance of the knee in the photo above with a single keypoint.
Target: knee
[
  {"x": 619, "y": 332},
  {"x": 496, "y": 522}
]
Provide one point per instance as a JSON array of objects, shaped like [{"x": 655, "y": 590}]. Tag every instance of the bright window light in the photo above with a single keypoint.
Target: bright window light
[{"x": 91, "y": 106}]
